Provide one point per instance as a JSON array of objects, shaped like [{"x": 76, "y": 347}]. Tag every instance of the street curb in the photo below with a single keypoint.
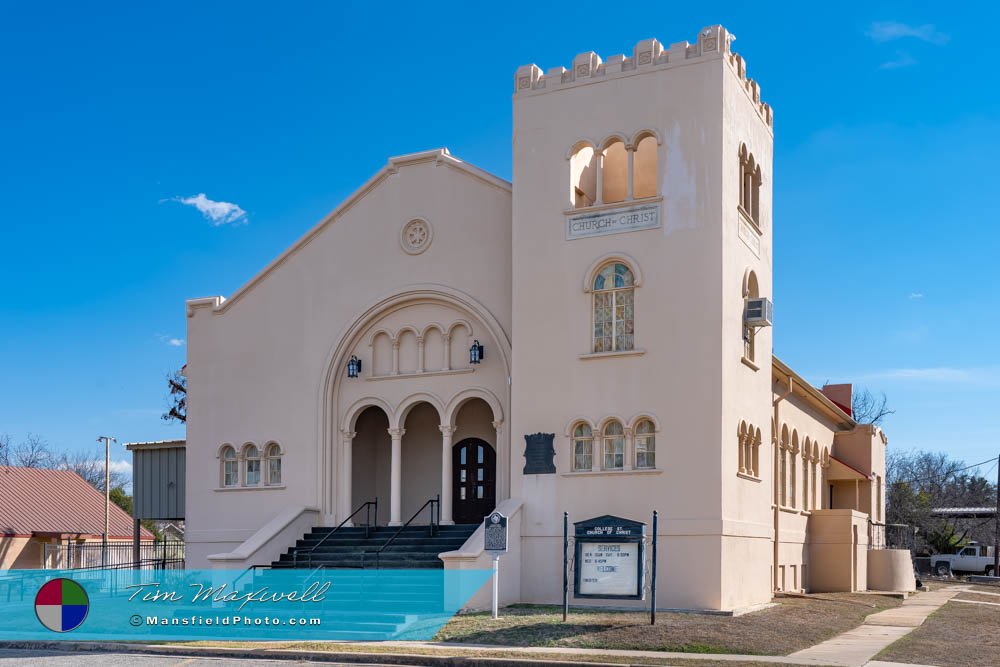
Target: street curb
[{"x": 293, "y": 654}]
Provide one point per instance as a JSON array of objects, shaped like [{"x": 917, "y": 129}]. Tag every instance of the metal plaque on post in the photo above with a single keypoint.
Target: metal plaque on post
[
  {"x": 495, "y": 529},
  {"x": 610, "y": 558},
  {"x": 495, "y": 544}
]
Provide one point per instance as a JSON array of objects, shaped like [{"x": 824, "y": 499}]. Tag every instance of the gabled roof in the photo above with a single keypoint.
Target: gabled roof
[
  {"x": 440, "y": 156},
  {"x": 38, "y": 500}
]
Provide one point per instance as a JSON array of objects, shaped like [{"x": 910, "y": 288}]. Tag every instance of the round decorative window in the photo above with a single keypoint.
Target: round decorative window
[{"x": 416, "y": 236}]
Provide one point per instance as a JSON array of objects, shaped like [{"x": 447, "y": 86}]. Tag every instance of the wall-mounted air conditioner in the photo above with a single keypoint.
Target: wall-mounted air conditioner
[{"x": 759, "y": 312}]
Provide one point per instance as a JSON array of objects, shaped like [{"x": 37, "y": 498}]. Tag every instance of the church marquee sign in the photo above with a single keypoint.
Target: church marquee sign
[
  {"x": 609, "y": 558},
  {"x": 613, "y": 221}
]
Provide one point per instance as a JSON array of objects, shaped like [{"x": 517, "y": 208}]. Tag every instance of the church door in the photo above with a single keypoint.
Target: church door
[{"x": 474, "y": 486}]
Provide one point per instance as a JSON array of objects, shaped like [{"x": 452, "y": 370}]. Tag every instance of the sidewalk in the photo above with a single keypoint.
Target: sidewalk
[
  {"x": 854, "y": 648},
  {"x": 857, "y": 647}
]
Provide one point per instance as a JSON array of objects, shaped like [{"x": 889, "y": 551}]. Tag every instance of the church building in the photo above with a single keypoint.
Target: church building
[{"x": 592, "y": 338}]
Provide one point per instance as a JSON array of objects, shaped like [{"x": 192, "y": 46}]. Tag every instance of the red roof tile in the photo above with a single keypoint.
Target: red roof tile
[{"x": 39, "y": 500}]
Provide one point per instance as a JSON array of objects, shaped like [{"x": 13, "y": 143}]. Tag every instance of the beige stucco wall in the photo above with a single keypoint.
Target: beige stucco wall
[{"x": 22, "y": 553}]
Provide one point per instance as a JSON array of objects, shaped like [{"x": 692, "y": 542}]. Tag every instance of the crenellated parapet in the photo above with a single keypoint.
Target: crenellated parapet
[{"x": 713, "y": 43}]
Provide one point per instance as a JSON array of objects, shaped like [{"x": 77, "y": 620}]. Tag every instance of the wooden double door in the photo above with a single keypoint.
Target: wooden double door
[{"x": 474, "y": 480}]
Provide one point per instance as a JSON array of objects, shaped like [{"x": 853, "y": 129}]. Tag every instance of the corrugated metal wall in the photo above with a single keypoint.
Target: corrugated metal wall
[{"x": 158, "y": 483}]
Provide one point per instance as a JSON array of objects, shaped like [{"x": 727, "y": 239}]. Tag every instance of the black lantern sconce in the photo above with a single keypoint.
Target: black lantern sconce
[
  {"x": 476, "y": 352},
  {"x": 353, "y": 367}
]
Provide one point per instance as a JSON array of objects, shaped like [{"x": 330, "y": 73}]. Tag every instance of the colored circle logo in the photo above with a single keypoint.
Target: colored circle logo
[{"x": 61, "y": 605}]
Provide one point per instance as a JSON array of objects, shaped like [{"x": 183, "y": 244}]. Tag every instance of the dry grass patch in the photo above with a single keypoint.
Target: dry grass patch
[
  {"x": 793, "y": 624},
  {"x": 958, "y": 635},
  {"x": 979, "y": 597}
]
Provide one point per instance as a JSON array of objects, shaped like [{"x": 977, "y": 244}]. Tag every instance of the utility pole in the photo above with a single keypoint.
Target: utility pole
[
  {"x": 996, "y": 528},
  {"x": 107, "y": 440}
]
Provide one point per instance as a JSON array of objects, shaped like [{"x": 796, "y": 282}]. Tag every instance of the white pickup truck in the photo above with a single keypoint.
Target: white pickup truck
[{"x": 972, "y": 558}]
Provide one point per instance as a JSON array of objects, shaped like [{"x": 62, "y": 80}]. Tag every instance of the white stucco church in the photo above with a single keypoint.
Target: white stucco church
[{"x": 614, "y": 300}]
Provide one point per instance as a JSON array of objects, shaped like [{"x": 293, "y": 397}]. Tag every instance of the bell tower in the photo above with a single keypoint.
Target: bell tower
[{"x": 641, "y": 227}]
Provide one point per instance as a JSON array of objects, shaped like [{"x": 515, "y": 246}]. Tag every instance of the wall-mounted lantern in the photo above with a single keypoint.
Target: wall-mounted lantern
[
  {"x": 353, "y": 367},
  {"x": 476, "y": 352}
]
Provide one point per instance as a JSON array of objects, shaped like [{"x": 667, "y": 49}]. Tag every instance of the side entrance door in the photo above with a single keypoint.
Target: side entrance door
[{"x": 474, "y": 485}]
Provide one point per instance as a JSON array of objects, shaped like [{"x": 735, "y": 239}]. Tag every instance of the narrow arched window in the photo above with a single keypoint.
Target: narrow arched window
[
  {"x": 614, "y": 306},
  {"x": 645, "y": 444},
  {"x": 273, "y": 456},
  {"x": 791, "y": 468},
  {"x": 805, "y": 476},
  {"x": 614, "y": 446},
  {"x": 583, "y": 167},
  {"x": 251, "y": 463},
  {"x": 750, "y": 180},
  {"x": 230, "y": 468},
  {"x": 583, "y": 448},
  {"x": 644, "y": 171},
  {"x": 752, "y": 291},
  {"x": 614, "y": 172}
]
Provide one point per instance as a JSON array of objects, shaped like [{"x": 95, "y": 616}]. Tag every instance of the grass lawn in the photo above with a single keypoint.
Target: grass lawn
[
  {"x": 957, "y": 634},
  {"x": 791, "y": 625}
]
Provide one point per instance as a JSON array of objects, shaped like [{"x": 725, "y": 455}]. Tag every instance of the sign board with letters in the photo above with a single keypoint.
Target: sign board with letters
[
  {"x": 495, "y": 533},
  {"x": 613, "y": 221},
  {"x": 609, "y": 558}
]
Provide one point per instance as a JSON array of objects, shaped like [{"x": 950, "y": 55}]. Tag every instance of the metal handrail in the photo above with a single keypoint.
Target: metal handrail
[
  {"x": 367, "y": 506},
  {"x": 433, "y": 502}
]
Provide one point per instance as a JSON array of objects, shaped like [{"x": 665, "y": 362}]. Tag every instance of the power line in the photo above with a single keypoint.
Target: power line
[{"x": 994, "y": 460}]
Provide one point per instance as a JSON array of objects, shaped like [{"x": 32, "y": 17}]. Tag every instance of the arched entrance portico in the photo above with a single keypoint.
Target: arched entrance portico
[
  {"x": 416, "y": 371},
  {"x": 407, "y": 455}
]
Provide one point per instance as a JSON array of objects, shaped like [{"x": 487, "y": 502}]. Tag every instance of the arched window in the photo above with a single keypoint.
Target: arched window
[
  {"x": 273, "y": 456},
  {"x": 230, "y": 467},
  {"x": 644, "y": 168},
  {"x": 251, "y": 463},
  {"x": 583, "y": 447},
  {"x": 793, "y": 452},
  {"x": 749, "y": 449},
  {"x": 614, "y": 316},
  {"x": 783, "y": 468},
  {"x": 614, "y": 172},
  {"x": 812, "y": 479},
  {"x": 750, "y": 291},
  {"x": 805, "y": 475},
  {"x": 750, "y": 179},
  {"x": 645, "y": 444},
  {"x": 583, "y": 166},
  {"x": 614, "y": 446}
]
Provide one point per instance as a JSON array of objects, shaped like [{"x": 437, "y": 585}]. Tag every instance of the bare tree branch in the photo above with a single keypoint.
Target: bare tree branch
[{"x": 867, "y": 408}]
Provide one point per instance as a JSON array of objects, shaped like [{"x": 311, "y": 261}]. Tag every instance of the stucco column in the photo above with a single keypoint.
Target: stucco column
[
  {"x": 396, "y": 476},
  {"x": 503, "y": 463},
  {"x": 446, "y": 362},
  {"x": 630, "y": 172},
  {"x": 599, "y": 195},
  {"x": 420, "y": 354},
  {"x": 347, "y": 473},
  {"x": 446, "y": 474}
]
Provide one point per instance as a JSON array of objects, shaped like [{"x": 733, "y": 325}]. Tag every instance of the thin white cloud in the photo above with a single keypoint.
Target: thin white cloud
[
  {"x": 914, "y": 296},
  {"x": 170, "y": 340},
  {"x": 124, "y": 467},
  {"x": 218, "y": 213},
  {"x": 887, "y": 31},
  {"x": 901, "y": 60}
]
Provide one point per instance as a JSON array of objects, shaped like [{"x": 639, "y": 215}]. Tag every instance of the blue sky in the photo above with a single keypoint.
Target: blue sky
[{"x": 887, "y": 132}]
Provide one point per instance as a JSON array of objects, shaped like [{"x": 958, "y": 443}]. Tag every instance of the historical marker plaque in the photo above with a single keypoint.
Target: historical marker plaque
[
  {"x": 609, "y": 558},
  {"x": 539, "y": 454},
  {"x": 495, "y": 533}
]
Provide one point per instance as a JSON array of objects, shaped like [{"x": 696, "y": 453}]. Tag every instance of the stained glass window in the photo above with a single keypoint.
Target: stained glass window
[
  {"x": 614, "y": 308},
  {"x": 645, "y": 445},
  {"x": 614, "y": 446},
  {"x": 583, "y": 448}
]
